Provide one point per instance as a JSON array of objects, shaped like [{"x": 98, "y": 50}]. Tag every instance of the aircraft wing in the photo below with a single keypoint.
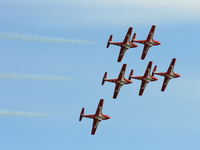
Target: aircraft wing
[
  {"x": 151, "y": 33},
  {"x": 165, "y": 82},
  {"x": 94, "y": 126},
  {"x": 147, "y": 72},
  {"x": 121, "y": 53},
  {"x": 122, "y": 72},
  {"x": 171, "y": 66},
  {"x": 128, "y": 35},
  {"x": 117, "y": 89},
  {"x": 145, "y": 50},
  {"x": 142, "y": 87},
  {"x": 99, "y": 107}
]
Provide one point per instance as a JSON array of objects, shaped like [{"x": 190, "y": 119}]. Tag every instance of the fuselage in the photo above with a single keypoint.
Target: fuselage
[
  {"x": 126, "y": 45},
  {"x": 171, "y": 75},
  {"x": 147, "y": 79},
  {"x": 98, "y": 117},
  {"x": 150, "y": 43},
  {"x": 122, "y": 82}
]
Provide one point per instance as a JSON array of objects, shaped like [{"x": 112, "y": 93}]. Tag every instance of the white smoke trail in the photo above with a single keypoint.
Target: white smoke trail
[
  {"x": 28, "y": 37},
  {"x": 26, "y": 114},
  {"x": 32, "y": 77}
]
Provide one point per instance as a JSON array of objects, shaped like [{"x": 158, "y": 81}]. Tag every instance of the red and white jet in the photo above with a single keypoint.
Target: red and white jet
[
  {"x": 168, "y": 75},
  {"x": 149, "y": 42},
  {"x": 126, "y": 44},
  {"x": 145, "y": 79},
  {"x": 97, "y": 117},
  {"x": 120, "y": 81}
]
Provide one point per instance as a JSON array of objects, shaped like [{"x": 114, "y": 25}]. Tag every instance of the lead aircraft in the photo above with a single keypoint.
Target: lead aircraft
[
  {"x": 97, "y": 117},
  {"x": 145, "y": 79},
  {"x": 149, "y": 42},
  {"x": 120, "y": 81},
  {"x": 168, "y": 75},
  {"x": 126, "y": 44}
]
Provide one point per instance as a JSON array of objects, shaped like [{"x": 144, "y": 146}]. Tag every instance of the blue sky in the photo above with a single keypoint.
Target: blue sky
[{"x": 157, "y": 120}]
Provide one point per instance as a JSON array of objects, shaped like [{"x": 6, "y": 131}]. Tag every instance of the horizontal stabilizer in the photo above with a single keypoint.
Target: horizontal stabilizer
[
  {"x": 109, "y": 40},
  {"x": 81, "y": 114},
  {"x": 104, "y": 78}
]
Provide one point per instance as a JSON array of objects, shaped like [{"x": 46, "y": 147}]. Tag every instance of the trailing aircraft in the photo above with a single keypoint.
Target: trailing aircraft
[{"x": 97, "y": 117}]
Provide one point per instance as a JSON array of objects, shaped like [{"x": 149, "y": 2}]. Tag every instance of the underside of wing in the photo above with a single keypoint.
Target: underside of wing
[
  {"x": 148, "y": 69},
  {"x": 99, "y": 107},
  {"x": 122, "y": 72},
  {"x": 151, "y": 33},
  {"x": 121, "y": 53},
  {"x": 128, "y": 35},
  {"x": 145, "y": 50},
  {"x": 116, "y": 91},
  {"x": 142, "y": 87},
  {"x": 165, "y": 83},
  {"x": 171, "y": 66},
  {"x": 94, "y": 126}
]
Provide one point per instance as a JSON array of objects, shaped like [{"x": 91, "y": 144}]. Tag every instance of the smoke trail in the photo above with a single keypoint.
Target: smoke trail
[
  {"x": 28, "y": 37},
  {"x": 32, "y": 77},
  {"x": 26, "y": 114}
]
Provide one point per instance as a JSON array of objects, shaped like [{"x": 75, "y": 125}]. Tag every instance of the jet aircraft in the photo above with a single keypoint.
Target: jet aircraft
[
  {"x": 145, "y": 79},
  {"x": 120, "y": 81},
  {"x": 168, "y": 75},
  {"x": 149, "y": 42},
  {"x": 126, "y": 44},
  {"x": 97, "y": 117}
]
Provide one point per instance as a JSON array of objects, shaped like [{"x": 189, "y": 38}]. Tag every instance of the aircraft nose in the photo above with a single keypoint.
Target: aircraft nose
[{"x": 177, "y": 75}]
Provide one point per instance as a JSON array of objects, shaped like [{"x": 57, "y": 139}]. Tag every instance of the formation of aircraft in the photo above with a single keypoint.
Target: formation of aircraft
[
  {"x": 167, "y": 75},
  {"x": 97, "y": 117},
  {"x": 126, "y": 44},
  {"x": 146, "y": 78},
  {"x": 120, "y": 81}
]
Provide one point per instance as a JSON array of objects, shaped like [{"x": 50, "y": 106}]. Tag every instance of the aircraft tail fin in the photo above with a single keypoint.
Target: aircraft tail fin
[
  {"x": 133, "y": 38},
  {"x": 154, "y": 70},
  {"x": 104, "y": 78},
  {"x": 109, "y": 41},
  {"x": 81, "y": 114},
  {"x": 131, "y": 74}
]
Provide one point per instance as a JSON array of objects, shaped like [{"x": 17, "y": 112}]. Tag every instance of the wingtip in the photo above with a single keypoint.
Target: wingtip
[
  {"x": 150, "y": 64},
  {"x": 174, "y": 59}
]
